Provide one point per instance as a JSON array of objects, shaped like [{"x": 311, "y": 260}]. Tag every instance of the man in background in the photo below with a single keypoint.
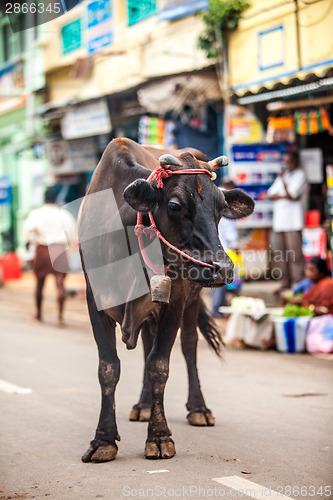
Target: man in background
[
  {"x": 51, "y": 229},
  {"x": 287, "y": 192}
]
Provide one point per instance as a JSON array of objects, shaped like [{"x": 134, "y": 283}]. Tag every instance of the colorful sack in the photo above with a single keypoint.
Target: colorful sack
[{"x": 319, "y": 338}]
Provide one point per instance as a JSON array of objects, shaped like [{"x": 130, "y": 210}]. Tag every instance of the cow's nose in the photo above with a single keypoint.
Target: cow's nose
[
  {"x": 224, "y": 270},
  {"x": 217, "y": 266}
]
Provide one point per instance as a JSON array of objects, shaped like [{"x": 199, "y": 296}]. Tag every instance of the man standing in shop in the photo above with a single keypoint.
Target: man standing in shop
[{"x": 287, "y": 192}]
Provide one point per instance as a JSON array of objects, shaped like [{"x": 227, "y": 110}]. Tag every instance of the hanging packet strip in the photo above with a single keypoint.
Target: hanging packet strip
[
  {"x": 325, "y": 119},
  {"x": 314, "y": 129}
]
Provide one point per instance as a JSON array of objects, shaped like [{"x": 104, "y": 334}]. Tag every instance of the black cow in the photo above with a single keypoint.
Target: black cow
[{"x": 186, "y": 209}]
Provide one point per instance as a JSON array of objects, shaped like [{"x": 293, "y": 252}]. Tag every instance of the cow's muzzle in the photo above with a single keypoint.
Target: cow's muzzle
[{"x": 221, "y": 274}]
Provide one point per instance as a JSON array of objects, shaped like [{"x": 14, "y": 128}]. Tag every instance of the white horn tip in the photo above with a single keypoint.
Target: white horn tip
[
  {"x": 168, "y": 159},
  {"x": 224, "y": 161},
  {"x": 220, "y": 161}
]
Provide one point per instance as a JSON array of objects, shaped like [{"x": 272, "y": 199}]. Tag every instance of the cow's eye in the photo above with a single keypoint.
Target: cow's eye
[{"x": 174, "y": 206}]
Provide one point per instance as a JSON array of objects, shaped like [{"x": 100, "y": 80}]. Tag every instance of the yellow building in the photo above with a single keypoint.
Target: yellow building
[
  {"x": 281, "y": 63},
  {"x": 281, "y": 73},
  {"x": 139, "y": 49},
  {"x": 278, "y": 41}
]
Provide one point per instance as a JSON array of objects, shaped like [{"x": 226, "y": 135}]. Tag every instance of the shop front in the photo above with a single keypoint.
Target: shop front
[
  {"x": 77, "y": 136},
  {"x": 298, "y": 117},
  {"x": 172, "y": 112},
  {"x": 183, "y": 111}
]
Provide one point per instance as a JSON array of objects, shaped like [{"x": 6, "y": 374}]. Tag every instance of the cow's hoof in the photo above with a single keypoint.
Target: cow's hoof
[
  {"x": 139, "y": 414},
  {"x": 160, "y": 449},
  {"x": 201, "y": 418},
  {"x": 99, "y": 453}
]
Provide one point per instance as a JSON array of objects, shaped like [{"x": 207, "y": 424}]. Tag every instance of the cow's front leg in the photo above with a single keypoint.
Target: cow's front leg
[
  {"x": 103, "y": 448},
  {"x": 159, "y": 443}
]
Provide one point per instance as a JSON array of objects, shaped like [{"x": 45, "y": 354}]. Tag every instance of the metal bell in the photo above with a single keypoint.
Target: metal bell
[{"x": 160, "y": 288}]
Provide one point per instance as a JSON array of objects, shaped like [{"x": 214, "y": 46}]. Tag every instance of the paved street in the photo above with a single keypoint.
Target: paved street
[{"x": 273, "y": 417}]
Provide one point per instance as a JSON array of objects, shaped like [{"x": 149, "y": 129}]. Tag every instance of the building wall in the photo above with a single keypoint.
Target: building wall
[
  {"x": 139, "y": 52},
  {"x": 264, "y": 48},
  {"x": 21, "y": 74},
  {"x": 316, "y": 33}
]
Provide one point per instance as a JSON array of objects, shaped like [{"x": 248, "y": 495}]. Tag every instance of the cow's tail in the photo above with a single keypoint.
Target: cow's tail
[{"x": 208, "y": 329}]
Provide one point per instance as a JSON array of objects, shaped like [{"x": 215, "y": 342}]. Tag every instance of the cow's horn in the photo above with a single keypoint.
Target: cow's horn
[
  {"x": 220, "y": 161},
  {"x": 167, "y": 159}
]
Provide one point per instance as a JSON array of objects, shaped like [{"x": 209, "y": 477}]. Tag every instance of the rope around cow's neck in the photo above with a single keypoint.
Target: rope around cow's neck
[{"x": 141, "y": 230}]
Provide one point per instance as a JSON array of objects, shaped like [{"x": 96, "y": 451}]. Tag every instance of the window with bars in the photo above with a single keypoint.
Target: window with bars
[
  {"x": 139, "y": 10},
  {"x": 12, "y": 42},
  {"x": 71, "y": 36}
]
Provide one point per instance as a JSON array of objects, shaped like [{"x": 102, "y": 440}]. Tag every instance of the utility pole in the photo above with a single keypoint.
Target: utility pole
[
  {"x": 29, "y": 66},
  {"x": 298, "y": 37}
]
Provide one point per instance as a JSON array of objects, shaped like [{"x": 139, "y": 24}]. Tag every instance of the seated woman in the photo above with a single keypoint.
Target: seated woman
[
  {"x": 297, "y": 291},
  {"x": 319, "y": 298}
]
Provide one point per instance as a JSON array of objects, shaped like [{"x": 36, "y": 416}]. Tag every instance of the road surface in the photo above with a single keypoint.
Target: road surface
[{"x": 273, "y": 433}]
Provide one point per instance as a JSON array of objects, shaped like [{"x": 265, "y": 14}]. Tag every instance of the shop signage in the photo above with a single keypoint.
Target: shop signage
[
  {"x": 311, "y": 160},
  {"x": 314, "y": 242},
  {"x": 266, "y": 153},
  {"x": 243, "y": 126},
  {"x": 174, "y": 9},
  {"x": 86, "y": 120},
  {"x": 99, "y": 25},
  {"x": 254, "y": 168},
  {"x": 5, "y": 191},
  {"x": 12, "y": 87},
  {"x": 71, "y": 36},
  {"x": 138, "y": 10},
  {"x": 71, "y": 156},
  {"x": 329, "y": 176},
  {"x": 329, "y": 204}
]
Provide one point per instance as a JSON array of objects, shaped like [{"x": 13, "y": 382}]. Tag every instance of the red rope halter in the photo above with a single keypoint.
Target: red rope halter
[{"x": 140, "y": 230}]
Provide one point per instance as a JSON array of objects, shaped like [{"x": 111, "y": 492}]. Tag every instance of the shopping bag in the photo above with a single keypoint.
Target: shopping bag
[{"x": 319, "y": 338}]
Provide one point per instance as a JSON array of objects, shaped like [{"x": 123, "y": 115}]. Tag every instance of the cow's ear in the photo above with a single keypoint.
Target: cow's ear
[
  {"x": 238, "y": 204},
  {"x": 141, "y": 196}
]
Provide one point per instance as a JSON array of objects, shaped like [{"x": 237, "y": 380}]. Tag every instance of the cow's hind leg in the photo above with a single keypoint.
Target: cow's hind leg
[
  {"x": 141, "y": 411},
  {"x": 103, "y": 448},
  {"x": 199, "y": 414}
]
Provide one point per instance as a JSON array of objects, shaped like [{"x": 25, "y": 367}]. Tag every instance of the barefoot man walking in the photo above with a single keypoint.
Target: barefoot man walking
[{"x": 50, "y": 228}]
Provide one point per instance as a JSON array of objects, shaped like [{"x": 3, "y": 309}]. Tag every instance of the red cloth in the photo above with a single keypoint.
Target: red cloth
[{"x": 320, "y": 294}]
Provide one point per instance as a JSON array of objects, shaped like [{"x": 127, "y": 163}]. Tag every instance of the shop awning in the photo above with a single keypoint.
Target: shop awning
[
  {"x": 174, "y": 93},
  {"x": 305, "y": 74},
  {"x": 290, "y": 91}
]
